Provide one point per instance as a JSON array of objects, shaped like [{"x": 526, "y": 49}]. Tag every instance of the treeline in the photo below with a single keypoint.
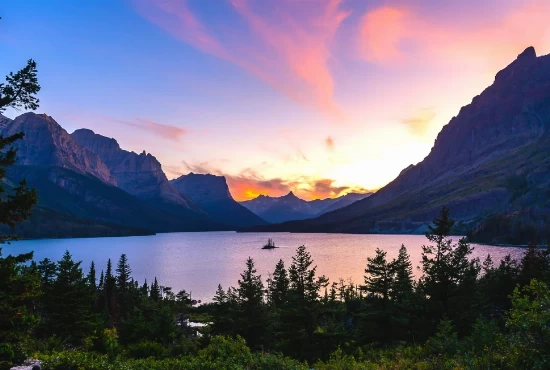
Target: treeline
[{"x": 462, "y": 313}]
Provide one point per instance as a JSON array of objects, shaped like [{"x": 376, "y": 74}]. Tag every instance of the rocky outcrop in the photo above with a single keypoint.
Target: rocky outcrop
[
  {"x": 46, "y": 143},
  {"x": 502, "y": 135},
  {"x": 138, "y": 174},
  {"x": 212, "y": 194}
]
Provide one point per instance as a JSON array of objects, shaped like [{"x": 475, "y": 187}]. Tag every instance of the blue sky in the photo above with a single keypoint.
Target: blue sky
[{"x": 320, "y": 97}]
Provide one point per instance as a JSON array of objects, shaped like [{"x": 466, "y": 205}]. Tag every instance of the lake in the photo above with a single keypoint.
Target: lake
[{"x": 198, "y": 262}]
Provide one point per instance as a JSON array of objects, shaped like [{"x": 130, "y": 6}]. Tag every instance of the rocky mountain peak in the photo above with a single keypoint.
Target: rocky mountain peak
[
  {"x": 138, "y": 174},
  {"x": 529, "y": 53},
  {"x": 48, "y": 144},
  {"x": 203, "y": 188},
  {"x": 290, "y": 195}
]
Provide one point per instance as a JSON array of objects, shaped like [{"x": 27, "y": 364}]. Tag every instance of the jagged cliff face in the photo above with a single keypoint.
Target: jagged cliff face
[
  {"x": 203, "y": 188},
  {"x": 500, "y": 139},
  {"x": 46, "y": 143},
  {"x": 138, "y": 174}
]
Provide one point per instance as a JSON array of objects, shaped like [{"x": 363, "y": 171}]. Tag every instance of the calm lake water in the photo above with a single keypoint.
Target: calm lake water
[{"x": 198, "y": 262}]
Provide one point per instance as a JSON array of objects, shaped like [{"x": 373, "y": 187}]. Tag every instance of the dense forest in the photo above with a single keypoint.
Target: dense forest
[{"x": 461, "y": 314}]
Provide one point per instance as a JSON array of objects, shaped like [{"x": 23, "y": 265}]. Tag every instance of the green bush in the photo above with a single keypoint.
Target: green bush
[{"x": 146, "y": 349}]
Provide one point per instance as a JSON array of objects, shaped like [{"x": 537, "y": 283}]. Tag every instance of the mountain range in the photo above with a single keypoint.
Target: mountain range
[
  {"x": 490, "y": 165},
  {"x": 89, "y": 186},
  {"x": 290, "y": 207}
]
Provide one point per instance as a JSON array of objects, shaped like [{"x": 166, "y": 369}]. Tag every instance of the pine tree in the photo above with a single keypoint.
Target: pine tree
[
  {"x": 92, "y": 277},
  {"x": 402, "y": 275},
  {"x": 303, "y": 284},
  {"x": 252, "y": 316},
  {"x": 124, "y": 285},
  {"x": 379, "y": 278},
  {"x": 124, "y": 273},
  {"x": 278, "y": 285},
  {"x": 450, "y": 276},
  {"x": 101, "y": 284},
  {"x": 533, "y": 264},
  {"x": 70, "y": 313},
  {"x": 110, "y": 296},
  {"x": 220, "y": 297},
  {"x": 19, "y": 292},
  {"x": 17, "y": 92},
  {"x": 155, "y": 291}
]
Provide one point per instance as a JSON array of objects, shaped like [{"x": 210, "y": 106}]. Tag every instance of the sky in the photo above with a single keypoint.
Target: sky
[{"x": 321, "y": 97}]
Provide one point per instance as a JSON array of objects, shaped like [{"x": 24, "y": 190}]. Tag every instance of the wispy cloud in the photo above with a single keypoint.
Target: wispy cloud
[
  {"x": 291, "y": 53},
  {"x": 165, "y": 131},
  {"x": 329, "y": 143},
  {"x": 420, "y": 122}
]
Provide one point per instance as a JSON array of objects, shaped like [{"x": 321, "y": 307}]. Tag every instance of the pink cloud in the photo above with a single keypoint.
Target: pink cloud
[
  {"x": 401, "y": 35},
  {"x": 291, "y": 53},
  {"x": 165, "y": 131}
]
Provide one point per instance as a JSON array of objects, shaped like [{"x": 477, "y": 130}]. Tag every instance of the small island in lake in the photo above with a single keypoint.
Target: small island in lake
[{"x": 270, "y": 244}]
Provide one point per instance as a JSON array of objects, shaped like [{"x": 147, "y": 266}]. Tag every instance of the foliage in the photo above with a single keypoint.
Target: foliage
[{"x": 461, "y": 315}]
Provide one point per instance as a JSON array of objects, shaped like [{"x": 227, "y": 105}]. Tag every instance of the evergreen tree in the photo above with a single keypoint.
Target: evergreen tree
[
  {"x": 110, "y": 296},
  {"x": 252, "y": 311},
  {"x": 124, "y": 277},
  {"x": 70, "y": 313},
  {"x": 101, "y": 284},
  {"x": 48, "y": 271},
  {"x": 278, "y": 285},
  {"x": 124, "y": 284},
  {"x": 220, "y": 297},
  {"x": 155, "y": 291},
  {"x": 402, "y": 276},
  {"x": 144, "y": 290},
  {"x": 17, "y": 92},
  {"x": 303, "y": 284},
  {"x": 533, "y": 264},
  {"x": 20, "y": 88},
  {"x": 19, "y": 292},
  {"x": 450, "y": 276},
  {"x": 92, "y": 277},
  {"x": 379, "y": 278}
]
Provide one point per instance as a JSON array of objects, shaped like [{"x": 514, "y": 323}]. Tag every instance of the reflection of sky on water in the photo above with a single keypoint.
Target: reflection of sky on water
[{"x": 198, "y": 262}]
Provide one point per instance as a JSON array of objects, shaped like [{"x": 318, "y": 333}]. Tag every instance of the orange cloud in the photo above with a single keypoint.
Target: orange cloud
[
  {"x": 291, "y": 55},
  {"x": 329, "y": 142},
  {"x": 396, "y": 35}
]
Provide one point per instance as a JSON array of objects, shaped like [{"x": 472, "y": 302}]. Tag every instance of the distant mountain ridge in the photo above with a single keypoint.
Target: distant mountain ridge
[
  {"x": 212, "y": 194},
  {"x": 492, "y": 159},
  {"x": 290, "y": 207}
]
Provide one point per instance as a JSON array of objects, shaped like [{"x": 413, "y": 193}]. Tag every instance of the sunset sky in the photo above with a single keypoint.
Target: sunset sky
[{"x": 321, "y": 97}]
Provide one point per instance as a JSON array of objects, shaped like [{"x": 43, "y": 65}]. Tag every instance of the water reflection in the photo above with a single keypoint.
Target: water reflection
[{"x": 198, "y": 262}]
